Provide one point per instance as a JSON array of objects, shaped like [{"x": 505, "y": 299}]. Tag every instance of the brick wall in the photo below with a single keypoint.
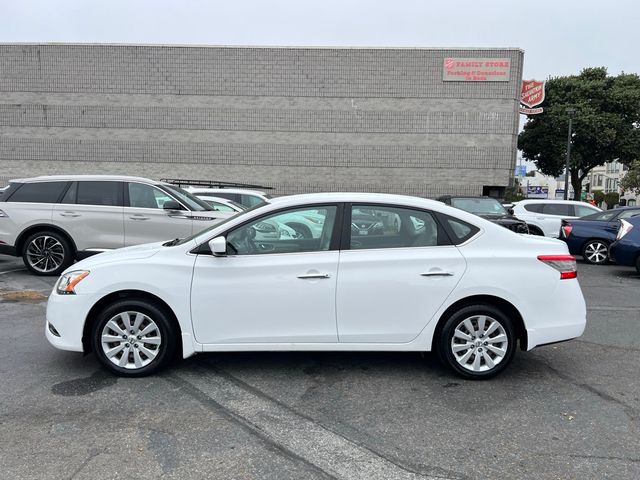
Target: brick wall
[{"x": 296, "y": 119}]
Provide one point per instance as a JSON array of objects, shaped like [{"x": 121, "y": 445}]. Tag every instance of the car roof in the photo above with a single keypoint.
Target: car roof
[
  {"x": 358, "y": 197},
  {"x": 246, "y": 191},
  {"x": 69, "y": 178},
  {"x": 551, "y": 200}
]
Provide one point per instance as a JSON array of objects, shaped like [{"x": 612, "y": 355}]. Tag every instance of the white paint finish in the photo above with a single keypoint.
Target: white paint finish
[
  {"x": 91, "y": 226},
  {"x": 259, "y": 298},
  {"x": 382, "y": 295},
  {"x": 549, "y": 224},
  {"x": 327, "y": 450},
  {"x": 242, "y": 303},
  {"x": 144, "y": 225}
]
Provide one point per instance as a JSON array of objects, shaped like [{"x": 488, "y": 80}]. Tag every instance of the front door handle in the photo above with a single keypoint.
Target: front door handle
[
  {"x": 305, "y": 276},
  {"x": 436, "y": 273},
  {"x": 69, "y": 214},
  {"x": 178, "y": 216},
  {"x": 139, "y": 217}
]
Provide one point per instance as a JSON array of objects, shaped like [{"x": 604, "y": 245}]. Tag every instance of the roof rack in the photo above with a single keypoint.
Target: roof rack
[{"x": 181, "y": 182}]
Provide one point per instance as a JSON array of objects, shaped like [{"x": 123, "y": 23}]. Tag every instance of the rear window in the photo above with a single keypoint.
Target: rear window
[
  {"x": 38, "y": 192},
  {"x": 583, "y": 210}
]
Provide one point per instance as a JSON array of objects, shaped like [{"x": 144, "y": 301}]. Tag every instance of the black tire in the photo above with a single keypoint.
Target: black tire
[
  {"x": 444, "y": 342},
  {"x": 638, "y": 264},
  {"x": 592, "y": 252},
  {"x": 535, "y": 231},
  {"x": 165, "y": 352},
  {"x": 44, "y": 248}
]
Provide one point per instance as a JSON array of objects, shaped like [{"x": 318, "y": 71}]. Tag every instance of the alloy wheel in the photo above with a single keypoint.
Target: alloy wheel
[
  {"x": 479, "y": 343},
  {"x": 45, "y": 254},
  {"x": 131, "y": 340},
  {"x": 596, "y": 252}
]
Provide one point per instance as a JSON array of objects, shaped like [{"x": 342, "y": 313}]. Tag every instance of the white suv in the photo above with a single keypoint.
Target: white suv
[
  {"x": 52, "y": 221},
  {"x": 544, "y": 216}
]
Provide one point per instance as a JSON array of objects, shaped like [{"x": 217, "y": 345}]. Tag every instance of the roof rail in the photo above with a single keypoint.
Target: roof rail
[{"x": 182, "y": 182}]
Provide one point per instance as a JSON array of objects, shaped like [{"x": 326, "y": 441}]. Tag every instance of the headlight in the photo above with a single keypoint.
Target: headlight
[{"x": 68, "y": 282}]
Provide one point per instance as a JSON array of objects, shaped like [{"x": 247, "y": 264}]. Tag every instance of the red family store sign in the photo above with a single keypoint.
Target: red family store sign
[
  {"x": 476, "y": 69},
  {"x": 531, "y": 95}
]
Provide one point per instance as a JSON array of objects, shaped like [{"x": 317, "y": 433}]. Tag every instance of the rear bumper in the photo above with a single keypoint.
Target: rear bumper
[
  {"x": 622, "y": 254},
  {"x": 8, "y": 250}
]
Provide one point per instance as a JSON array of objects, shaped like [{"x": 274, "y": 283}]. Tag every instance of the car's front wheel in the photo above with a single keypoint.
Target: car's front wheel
[
  {"x": 595, "y": 252},
  {"x": 134, "y": 338},
  {"x": 477, "y": 341}
]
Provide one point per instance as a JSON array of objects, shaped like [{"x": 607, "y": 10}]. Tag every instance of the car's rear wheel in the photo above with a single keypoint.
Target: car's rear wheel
[
  {"x": 47, "y": 253},
  {"x": 477, "y": 342},
  {"x": 134, "y": 338},
  {"x": 596, "y": 252},
  {"x": 302, "y": 230}
]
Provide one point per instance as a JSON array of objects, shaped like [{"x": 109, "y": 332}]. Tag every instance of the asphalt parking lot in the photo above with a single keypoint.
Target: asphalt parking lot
[{"x": 567, "y": 411}]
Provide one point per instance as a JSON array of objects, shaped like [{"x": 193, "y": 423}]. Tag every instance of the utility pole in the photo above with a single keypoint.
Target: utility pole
[{"x": 571, "y": 112}]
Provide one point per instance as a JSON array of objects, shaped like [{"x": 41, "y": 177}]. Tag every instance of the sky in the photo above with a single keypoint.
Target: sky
[{"x": 559, "y": 37}]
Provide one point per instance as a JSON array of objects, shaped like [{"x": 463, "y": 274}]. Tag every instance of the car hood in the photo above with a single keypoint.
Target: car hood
[{"x": 119, "y": 255}]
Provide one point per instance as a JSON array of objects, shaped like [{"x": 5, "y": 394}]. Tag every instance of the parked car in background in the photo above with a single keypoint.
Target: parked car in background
[
  {"x": 223, "y": 205},
  {"x": 486, "y": 207},
  {"x": 52, "y": 221},
  {"x": 245, "y": 194},
  {"x": 626, "y": 249},
  {"x": 445, "y": 287},
  {"x": 544, "y": 216},
  {"x": 592, "y": 235}
]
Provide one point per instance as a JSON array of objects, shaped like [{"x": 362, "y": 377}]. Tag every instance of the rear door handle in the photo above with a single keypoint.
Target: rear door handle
[
  {"x": 436, "y": 273},
  {"x": 314, "y": 275},
  {"x": 69, "y": 214}
]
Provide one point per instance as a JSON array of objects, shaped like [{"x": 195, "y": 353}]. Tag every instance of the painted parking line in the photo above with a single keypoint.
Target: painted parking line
[
  {"x": 294, "y": 433},
  {"x": 15, "y": 270}
]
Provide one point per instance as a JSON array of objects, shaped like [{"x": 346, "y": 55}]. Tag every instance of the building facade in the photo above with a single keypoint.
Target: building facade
[{"x": 295, "y": 119}]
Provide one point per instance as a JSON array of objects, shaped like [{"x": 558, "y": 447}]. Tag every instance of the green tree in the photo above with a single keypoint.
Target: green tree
[
  {"x": 606, "y": 124},
  {"x": 611, "y": 199},
  {"x": 631, "y": 181},
  {"x": 598, "y": 197}
]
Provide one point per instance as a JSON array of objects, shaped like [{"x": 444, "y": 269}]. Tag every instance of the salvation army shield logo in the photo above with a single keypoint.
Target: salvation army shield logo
[
  {"x": 449, "y": 63},
  {"x": 532, "y": 93}
]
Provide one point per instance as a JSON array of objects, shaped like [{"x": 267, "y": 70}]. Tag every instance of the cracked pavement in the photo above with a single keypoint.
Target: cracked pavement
[{"x": 565, "y": 411}]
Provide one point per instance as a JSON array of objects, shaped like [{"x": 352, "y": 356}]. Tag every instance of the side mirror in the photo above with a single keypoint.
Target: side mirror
[
  {"x": 510, "y": 211},
  {"x": 171, "y": 205},
  {"x": 218, "y": 246}
]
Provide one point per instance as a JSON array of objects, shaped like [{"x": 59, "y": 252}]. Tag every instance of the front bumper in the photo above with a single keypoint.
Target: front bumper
[{"x": 67, "y": 314}]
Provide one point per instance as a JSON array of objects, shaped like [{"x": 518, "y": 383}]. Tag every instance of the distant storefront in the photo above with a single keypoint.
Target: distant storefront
[{"x": 416, "y": 121}]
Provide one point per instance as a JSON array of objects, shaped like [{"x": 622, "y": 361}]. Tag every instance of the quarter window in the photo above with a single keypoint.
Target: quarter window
[
  {"x": 534, "y": 207},
  {"x": 583, "y": 210},
  {"x": 39, "y": 192},
  {"x": 374, "y": 226},
  {"x": 99, "y": 193},
  {"x": 292, "y": 231}
]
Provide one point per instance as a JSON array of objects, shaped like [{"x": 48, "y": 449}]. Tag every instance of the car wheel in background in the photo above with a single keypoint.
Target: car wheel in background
[
  {"x": 535, "y": 230},
  {"x": 595, "y": 252},
  {"x": 134, "y": 338},
  {"x": 638, "y": 264},
  {"x": 477, "y": 342},
  {"x": 47, "y": 253},
  {"x": 302, "y": 230}
]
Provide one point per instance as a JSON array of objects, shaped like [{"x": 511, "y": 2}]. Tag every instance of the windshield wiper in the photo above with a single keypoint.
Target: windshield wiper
[{"x": 171, "y": 243}]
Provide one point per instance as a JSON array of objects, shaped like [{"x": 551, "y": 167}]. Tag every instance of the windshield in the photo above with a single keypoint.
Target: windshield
[
  {"x": 479, "y": 206},
  {"x": 191, "y": 201},
  {"x": 202, "y": 232}
]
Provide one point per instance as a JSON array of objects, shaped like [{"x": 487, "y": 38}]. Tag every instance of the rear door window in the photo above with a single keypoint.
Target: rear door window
[
  {"x": 100, "y": 193},
  {"x": 561, "y": 209},
  {"x": 39, "y": 192},
  {"x": 583, "y": 210}
]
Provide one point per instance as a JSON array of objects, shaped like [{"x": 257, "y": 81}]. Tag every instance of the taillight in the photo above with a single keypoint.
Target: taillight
[
  {"x": 565, "y": 264},
  {"x": 625, "y": 227},
  {"x": 566, "y": 229}
]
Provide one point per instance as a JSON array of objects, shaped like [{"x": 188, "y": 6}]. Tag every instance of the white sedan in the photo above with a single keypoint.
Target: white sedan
[{"x": 452, "y": 282}]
